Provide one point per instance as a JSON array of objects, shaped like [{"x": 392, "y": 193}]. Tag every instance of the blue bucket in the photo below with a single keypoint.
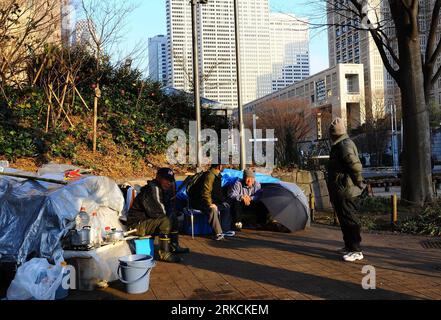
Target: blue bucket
[
  {"x": 145, "y": 247},
  {"x": 134, "y": 272}
]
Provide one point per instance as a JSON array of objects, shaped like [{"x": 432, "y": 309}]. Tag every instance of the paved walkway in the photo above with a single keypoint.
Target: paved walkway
[{"x": 300, "y": 266}]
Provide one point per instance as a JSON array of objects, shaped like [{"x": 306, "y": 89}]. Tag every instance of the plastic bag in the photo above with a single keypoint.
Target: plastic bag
[{"x": 36, "y": 279}]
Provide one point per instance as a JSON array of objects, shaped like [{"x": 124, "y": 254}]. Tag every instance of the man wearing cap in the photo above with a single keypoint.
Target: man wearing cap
[
  {"x": 244, "y": 196},
  {"x": 345, "y": 184},
  {"x": 152, "y": 213}
]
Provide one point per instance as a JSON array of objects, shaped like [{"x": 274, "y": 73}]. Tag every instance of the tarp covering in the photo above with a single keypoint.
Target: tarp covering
[
  {"x": 230, "y": 176},
  {"x": 35, "y": 216}
]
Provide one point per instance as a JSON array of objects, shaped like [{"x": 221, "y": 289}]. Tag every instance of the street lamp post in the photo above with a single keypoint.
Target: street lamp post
[
  {"x": 255, "y": 118},
  {"x": 394, "y": 142},
  {"x": 196, "y": 82},
  {"x": 239, "y": 88}
]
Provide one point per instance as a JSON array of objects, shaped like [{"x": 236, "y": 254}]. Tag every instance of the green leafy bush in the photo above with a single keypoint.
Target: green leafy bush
[{"x": 426, "y": 223}]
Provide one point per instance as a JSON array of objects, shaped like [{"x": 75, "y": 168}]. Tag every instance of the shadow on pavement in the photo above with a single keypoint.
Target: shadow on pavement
[{"x": 292, "y": 280}]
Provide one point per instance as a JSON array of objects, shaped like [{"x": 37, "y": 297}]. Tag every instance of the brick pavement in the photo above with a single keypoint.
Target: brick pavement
[{"x": 300, "y": 266}]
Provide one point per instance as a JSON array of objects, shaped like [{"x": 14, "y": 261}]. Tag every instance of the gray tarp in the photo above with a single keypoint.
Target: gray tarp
[{"x": 35, "y": 216}]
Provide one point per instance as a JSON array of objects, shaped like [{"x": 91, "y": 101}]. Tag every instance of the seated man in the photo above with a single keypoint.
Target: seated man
[
  {"x": 207, "y": 196},
  {"x": 149, "y": 216},
  {"x": 170, "y": 208},
  {"x": 244, "y": 197}
]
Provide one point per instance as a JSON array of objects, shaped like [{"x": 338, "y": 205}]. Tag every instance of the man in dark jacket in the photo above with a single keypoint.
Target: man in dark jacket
[
  {"x": 149, "y": 215},
  {"x": 207, "y": 195},
  {"x": 345, "y": 184}
]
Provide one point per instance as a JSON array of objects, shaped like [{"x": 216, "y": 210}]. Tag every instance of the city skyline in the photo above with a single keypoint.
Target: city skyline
[
  {"x": 274, "y": 49},
  {"x": 149, "y": 20}
]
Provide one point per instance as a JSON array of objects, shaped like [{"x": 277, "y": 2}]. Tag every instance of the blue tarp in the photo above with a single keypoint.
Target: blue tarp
[{"x": 35, "y": 216}]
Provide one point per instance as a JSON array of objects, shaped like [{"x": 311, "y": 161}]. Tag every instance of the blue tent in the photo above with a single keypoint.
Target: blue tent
[
  {"x": 286, "y": 201},
  {"x": 229, "y": 178}
]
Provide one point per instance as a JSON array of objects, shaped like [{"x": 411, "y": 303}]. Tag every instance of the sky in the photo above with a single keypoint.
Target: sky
[{"x": 149, "y": 19}]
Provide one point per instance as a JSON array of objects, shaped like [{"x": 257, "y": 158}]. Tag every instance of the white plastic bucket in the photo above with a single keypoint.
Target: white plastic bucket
[{"x": 134, "y": 272}]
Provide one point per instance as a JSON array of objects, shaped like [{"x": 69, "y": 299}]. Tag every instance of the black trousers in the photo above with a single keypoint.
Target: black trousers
[
  {"x": 346, "y": 208},
  {"x": 256, "y": 208}
]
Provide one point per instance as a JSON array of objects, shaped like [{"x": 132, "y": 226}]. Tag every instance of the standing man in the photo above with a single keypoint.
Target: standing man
[
  {"x": 207, "y": 196},
  {"x": 345, "y": 184},
  {"x": 149, "y": 215},
  {"x": 244, "y": 196}
]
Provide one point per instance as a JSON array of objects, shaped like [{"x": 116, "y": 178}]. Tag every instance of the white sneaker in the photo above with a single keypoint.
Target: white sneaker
[
  {"x": 229, "y": 234},
  {"x": 353, "y": 256},
  {"x": 219, "y": 237}
]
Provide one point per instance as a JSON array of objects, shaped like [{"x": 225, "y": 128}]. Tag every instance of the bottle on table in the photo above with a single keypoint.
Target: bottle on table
[
  {"x": 96, "y": 237},
  {"x": 85, "y": 219}
]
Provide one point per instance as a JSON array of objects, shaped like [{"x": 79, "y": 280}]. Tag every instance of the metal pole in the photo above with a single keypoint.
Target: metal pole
[
  {"x": 239, "y": 91},
  {"x": 255, "y": 135},
  {"x": 397, "y": 163},
  {"x": 396, "y": 155},
  {"x": 402, "y": 135},
  {"x": 196, "y": 84}
]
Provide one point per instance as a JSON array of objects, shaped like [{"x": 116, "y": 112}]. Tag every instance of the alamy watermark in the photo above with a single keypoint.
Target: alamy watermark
[
  {"x": 369, "y": 281},
  {"x": 69, "y": 278},
  {"x": 221, "y": 150}
]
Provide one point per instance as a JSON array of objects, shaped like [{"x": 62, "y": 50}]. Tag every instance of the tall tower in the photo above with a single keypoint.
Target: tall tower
[
  {"x": 289, "y": 50},
  {"x": 217, "y": 48},
  {"x": 158, "y": 59},
  {"x": 68, "y": 13},
  {"x": 348, "y": 45}
]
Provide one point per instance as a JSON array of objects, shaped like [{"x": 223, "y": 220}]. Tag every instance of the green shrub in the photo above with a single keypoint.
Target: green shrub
[{"x": 426, "y": 223}]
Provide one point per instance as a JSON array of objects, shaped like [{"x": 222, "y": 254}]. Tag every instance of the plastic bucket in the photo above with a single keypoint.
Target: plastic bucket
[
  {"x": 134, "y": 272},
  {"x": 145, "y": 247}
]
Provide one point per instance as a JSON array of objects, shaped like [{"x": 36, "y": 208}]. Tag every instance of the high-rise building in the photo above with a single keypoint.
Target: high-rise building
[
  {"x": 158, "y": 59},
  {"x": 347, "y": 45},
  {"x": 83, "y": 34},
  {"x": 289, "y": 49},
  {"x": 68, "y": 13},
  {"x": 217, "y": 48},
  {"x": 350, "y": 45}
]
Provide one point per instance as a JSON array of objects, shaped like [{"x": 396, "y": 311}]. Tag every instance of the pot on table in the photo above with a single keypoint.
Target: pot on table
[
  {"x": 118, "y": 235},
  {"x": 79, "y": 238}
]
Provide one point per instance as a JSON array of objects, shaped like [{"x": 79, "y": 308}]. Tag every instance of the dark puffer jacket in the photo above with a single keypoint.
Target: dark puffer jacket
[
  {"x": 149, "y": 204},
  {"x": 344, "y": 169}
]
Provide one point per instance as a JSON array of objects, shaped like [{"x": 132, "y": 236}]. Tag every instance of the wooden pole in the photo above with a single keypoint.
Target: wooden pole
[
  {"x": 95, "y": 115},
  {"x": 48, "y": 111},
  {"x": 79, "y": 94},
  {"x": 394, "y": 200},
  {"x": 22, "y": 176},
  {"x": 61, "y": 106}
]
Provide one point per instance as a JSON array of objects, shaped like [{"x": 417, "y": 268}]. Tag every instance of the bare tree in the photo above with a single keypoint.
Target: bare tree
[
  {"x": 292, "y": 123},
  {"x": 395, "y": 29},
  {"x": 25, "y": 27},
  {"x": 373, "y": 135},
  {"x": 106, "y": 23}
]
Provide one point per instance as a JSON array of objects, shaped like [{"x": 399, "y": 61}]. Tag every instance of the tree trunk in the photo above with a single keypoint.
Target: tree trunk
[{"x": 416, "y": 181}]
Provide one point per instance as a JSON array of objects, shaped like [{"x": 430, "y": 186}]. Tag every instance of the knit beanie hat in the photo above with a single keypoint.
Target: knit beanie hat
[
  {"x": 337, "y": 127},
  {"x": 248, "y": 173}
]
